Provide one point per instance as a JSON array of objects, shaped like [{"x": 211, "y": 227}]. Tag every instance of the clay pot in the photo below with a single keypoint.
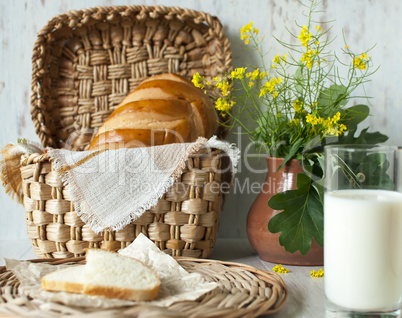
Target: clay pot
[{"x": 264, "y": 242}]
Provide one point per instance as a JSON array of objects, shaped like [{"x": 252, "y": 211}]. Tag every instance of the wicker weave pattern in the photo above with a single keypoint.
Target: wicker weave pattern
[
  {"x": 85, "y": 62},
  {"x": 183, "y": 223},
  {"x": 243, "y": 292}
]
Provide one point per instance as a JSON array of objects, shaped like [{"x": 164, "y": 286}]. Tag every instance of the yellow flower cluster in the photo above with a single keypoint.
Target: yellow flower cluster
[
  {"x": 238, "y": 73},
  {"x": 278, "y": 59},
  {"x": 308, "y": 57},
  {"x": 298, "y": 106},
  {"x": 198, "y": 80},
  {"x": 245, "y": 32},
  {"x": 360, "y": 62},
  {"x": 263, "y": 74},
  {"x": 319, "y": 273},
  {"x": 222, "y": 104},
  {"x": 305, "y": 36},
  {"x": 269, "y": 87},
  {"x": 254, "y": 75},
  {"x": 280, "y": 269},
  {"x": 313, "y": 120},
  {"x": 330, "y": 125},
  {"x": 222, "y": 85}
]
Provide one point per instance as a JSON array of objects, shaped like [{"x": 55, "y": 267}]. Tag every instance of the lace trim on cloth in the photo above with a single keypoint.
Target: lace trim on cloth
[{"x": 101, "y": 183}]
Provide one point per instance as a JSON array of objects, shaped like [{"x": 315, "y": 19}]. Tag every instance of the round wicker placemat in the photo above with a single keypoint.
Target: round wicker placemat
[{"x": 243, "y": 291}]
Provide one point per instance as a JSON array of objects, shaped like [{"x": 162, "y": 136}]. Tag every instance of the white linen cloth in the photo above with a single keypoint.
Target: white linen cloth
[{"x": 110, "y": 189}]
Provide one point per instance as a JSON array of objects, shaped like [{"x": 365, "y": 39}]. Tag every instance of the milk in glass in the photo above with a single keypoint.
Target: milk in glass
[{"x": 362, "y": 234}]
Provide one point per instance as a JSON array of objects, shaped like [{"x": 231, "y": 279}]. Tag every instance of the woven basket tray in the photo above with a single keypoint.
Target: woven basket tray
[
  {"x": 84, "y": 63},
  {"x": 243, "y": 292}
]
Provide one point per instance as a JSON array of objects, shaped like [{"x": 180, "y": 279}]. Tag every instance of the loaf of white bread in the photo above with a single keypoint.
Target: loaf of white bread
[
  {"x": 106, "y": 274},
  {"x": 163, "y": 109}
]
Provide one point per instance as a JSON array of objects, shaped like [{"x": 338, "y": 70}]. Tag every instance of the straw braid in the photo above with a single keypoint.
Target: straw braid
[{"x": 49, "y": 47}]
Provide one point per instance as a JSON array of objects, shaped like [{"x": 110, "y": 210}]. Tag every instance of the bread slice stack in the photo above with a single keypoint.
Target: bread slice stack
[
  {"x": 163, "y": 109},
  {"x": 106, "y": 274}
]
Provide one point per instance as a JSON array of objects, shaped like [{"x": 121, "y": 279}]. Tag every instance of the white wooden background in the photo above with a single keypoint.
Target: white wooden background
[{"x": 365, "y": 23}]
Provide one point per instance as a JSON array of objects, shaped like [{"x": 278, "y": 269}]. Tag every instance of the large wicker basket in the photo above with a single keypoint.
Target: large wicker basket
[{"x": 84, "y": 63}]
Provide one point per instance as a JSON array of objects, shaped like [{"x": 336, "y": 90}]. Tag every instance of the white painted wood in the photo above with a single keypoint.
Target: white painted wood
[
  {"x": 365, "y": 24},
  {"x": 306, "y": 294}
]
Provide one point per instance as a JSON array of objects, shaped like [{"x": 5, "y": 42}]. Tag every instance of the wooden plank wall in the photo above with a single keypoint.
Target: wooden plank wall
[{"x": 365, "y": 23}]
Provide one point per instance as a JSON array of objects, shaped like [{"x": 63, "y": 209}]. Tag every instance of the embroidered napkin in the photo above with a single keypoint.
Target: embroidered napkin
[{"x": 110, "y": 189}]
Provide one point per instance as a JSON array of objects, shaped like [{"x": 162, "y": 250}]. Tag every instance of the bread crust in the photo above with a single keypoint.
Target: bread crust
[
  {"x": 122, "y": 293},
  {"x": 159, "y": 102},
  {"x": 90, "y": 288}
]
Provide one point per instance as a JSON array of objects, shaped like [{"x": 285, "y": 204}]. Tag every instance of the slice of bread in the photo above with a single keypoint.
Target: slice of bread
[{"x": 106, "y": 274}]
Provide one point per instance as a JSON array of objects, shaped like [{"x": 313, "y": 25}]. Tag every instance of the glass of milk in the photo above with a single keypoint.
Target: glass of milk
[{"x": 363, "y": 230}]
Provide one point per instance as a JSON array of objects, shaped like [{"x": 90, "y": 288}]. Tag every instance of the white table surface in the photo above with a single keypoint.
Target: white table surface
[{"x": 306, "y": 294}]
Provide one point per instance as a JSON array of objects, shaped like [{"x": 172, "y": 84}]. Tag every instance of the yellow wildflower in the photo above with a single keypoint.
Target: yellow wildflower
[
  {"x": 269, "y": 87},
  {"x": 197, "y": 80},
  {"x": 238, "y": 73},
  {"x": 314, "y": 120},
  {"x": 319, "y": 273},
  {"x": 245, "y": 32},
  {"x": 207, "y": 83},
  {"x": 251, "y": 84},
  {"x": 311, "y": 119},
  {"x": 263, "y": 74},
  {"x": 224, "y": 87},
  {"x": 318, "y": 28},
  {"x": 280, "y": 269},
  {"x": 223, "y": 105},
  {"x": 360, "y": 62},
  {"x": 347, "y": 47},
  {"x": 276, "y": 59},
  {"x": 247, "y": 28},
  {"x": 255, "y": 74},
  {"x": 308, "y": 58},
  {"x": 305, "y": 36},
  {"x": 217, "y": 79},
  {"x": 298, "y": 106}
]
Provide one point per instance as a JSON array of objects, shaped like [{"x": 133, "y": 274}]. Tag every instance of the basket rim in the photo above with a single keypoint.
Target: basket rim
[
  {"x": 279, "y": 288},
  {"x": 108, "y": 14}
]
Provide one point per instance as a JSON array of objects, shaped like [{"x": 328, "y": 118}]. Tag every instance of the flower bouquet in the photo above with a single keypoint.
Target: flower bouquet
[{"x": 291, "y": 107}]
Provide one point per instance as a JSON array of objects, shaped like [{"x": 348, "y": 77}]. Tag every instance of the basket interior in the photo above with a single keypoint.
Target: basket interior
[{"x": 85, "y": 62}]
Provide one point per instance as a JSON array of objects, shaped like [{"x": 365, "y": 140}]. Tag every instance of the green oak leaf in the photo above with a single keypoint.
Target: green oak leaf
[
  {"x": 355, "y": 115},
  {"x": 302, "y": 217},
  {"x": 374, "y": 168},
  {"x": 334, "y": 95}
]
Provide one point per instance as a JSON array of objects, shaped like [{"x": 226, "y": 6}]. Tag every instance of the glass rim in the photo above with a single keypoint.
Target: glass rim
[{"x": 359, "y": 147}]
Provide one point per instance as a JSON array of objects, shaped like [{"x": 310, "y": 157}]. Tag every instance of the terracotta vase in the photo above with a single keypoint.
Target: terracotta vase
[{"x": 264, "y": 242}]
